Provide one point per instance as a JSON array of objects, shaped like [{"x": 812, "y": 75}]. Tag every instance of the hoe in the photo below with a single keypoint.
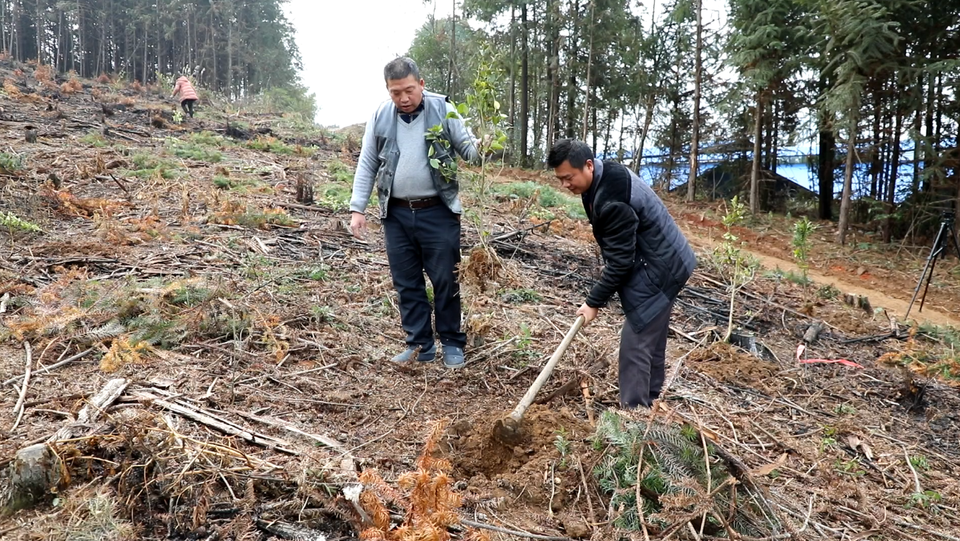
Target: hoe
[{"x": 508, "y": 429}]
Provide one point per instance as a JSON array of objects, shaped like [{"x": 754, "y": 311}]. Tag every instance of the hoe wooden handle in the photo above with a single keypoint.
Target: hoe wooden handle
[{"x": 545, "y": 373}]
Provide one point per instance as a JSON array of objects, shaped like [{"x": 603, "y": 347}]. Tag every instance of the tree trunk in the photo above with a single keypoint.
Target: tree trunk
[
  {"x": 894, "y": 172},
  {"x": 647, "y": 120},
  {"x": 757, "y": 145},
  {"x": 697, "y": 79},
  {"x": 875, "y": 159},
  {"x": 39, "y": 32},
  {"x": 768, "y": 129},
  {"x": 524, "y": 87},
  {"x": 512, "y": 113},
  {"x": 928, "y": 155},
  {"x": 775, "y": 135},
  {"x": 917, "y": 141},
  {"x": 586, "y": 91},
  {"x": 453, "y": 47},
  {"x": 553, "y": 70},
  {"x": 825, "y": 167},
  {"x": 847, "y": 182},
  {"x": 572, "y": 49},
  {"x": 230, "y": 54}
]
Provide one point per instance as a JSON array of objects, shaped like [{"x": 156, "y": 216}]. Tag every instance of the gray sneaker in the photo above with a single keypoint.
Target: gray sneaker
[
  {"x": 453, "y": 357},
  {"x": 427, "y": 354}
]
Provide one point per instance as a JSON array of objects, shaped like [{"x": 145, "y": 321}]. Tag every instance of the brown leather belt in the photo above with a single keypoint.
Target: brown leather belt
[{"x": 416, "y": 204}]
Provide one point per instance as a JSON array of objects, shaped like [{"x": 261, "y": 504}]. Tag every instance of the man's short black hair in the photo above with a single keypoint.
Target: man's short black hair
[
  {"x": 572, "y": 150},
  {"x": 401, "y": 68}
]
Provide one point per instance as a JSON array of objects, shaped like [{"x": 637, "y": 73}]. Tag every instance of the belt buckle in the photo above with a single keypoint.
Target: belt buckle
[{"x": 415, "y": 204}]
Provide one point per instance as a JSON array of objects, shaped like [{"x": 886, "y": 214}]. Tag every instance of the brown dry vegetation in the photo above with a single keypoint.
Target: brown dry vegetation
[{"x": 177, "y": 258}]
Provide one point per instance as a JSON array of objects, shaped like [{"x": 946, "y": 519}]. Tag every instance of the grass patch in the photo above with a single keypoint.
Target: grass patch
[
  {"x": 335, "y": 197},
  {"x": 209, "y": 139},
  {"x": 149, "y": 166},
  {"x": 236, "y": 213},
  {"x": 193, "y": 151},
  {"x": 94, "y": 139},
  {"x": 95, "y": 517},
  {"x": 549, "y": 199},
  {"x": 339, "y": 171},
  {"x": 316, "y": 274},
  {"x": 275, "y": 146},
  {"x": 932, "y": 351},
  {"x": 949, "y": 336},
  {"x": 520, "y": 296},
  {"x": 240, "y": 185}
]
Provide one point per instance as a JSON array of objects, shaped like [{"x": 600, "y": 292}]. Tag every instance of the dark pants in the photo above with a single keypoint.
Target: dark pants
[
  {"x": 187, "y": 107},
  {"x": 642, "y": 361},
  {"x": 426, "y": 240}
]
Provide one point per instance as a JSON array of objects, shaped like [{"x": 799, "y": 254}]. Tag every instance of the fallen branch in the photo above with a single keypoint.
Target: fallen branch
[
  {"x": 507, "y": 531},
  {"x": 287, "y": 530},
  {"x": 44, "y": 370},
  {"x": 519, "y": 232},
  {"x": 91, "y": 412},
  {"x": 195, "y": 414},
  {"x": 18, "y": 408},
  {"x": 323, "y": 440}
]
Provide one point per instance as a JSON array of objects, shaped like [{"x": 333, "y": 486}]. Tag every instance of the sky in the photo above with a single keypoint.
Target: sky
[{"x": 344, "y": 45}]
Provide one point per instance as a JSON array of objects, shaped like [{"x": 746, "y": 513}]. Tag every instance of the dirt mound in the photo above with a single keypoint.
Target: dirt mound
[
  {"x": 727, "y": 363},
  {"x": 540, "y": 471}
]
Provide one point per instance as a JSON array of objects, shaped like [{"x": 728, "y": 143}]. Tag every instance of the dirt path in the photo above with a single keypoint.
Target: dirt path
[{"x": 878, "y": 299}]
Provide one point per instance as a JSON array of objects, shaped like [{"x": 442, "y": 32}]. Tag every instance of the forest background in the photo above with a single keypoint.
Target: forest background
[{"x": 861, "y": 93}]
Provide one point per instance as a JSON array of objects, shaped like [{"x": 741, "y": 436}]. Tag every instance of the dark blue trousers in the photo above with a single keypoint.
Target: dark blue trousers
[
  {"x": 426, "y": 240},
  {"x": 643, "y": 360}
]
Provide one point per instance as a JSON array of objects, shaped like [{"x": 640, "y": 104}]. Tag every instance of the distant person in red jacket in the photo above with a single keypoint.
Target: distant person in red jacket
[{"x": 188, "y": 95}]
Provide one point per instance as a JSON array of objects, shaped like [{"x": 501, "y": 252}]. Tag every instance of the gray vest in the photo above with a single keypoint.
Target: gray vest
[{"x": 385, "y": 134}]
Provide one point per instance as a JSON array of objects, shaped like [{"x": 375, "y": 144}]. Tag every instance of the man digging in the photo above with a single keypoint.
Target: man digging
[{"x": 647, "y": 262}]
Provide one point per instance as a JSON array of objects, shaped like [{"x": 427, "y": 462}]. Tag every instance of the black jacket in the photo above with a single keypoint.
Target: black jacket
[{"x": 647, "y": 258}]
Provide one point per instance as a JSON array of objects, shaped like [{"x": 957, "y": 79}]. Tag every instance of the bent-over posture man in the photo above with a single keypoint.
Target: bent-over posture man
[
  {"x": 647, "y": 261},
  {"x": 420, "y": 208}
]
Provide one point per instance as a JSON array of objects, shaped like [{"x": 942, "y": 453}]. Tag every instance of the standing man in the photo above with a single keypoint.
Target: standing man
[
  {"x": 647, "y": 262},
  {"x": 419, "y": 208}
]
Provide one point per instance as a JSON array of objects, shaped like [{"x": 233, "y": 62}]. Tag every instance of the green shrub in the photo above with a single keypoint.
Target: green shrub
[
  {"x": 12, "y": 222},
  {"x": 674, "y": 469}
]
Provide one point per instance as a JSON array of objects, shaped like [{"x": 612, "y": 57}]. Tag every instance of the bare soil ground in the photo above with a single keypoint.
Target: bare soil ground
[{"x": 175, "y": 256}]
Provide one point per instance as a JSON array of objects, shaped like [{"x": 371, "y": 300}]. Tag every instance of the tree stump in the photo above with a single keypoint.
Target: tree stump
[
  {"x": 30, "y": 134},
  {"x": 35, "y": 470},
  {"x": 304, "y": 191}
]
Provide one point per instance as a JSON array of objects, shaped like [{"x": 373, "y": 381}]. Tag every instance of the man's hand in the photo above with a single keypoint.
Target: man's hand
[
  {"x": 358, "y": 225},
  {"x": 589, "y": 313}
]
